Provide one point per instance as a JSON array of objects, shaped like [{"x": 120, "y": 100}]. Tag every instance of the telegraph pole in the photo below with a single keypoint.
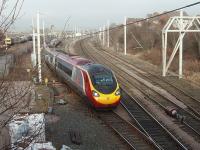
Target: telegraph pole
[
  {"x": 100, "y": 34},
  {"x": 108, "y": 34},
  {"x": 39, "y": 48},
  {"x": 103, "y": 35},
  {"x": 181, "y": 46},
  {"x": 34, "y": 51},
  {"x": 6, "y": 42},
  {"x": 74, "y": 32},
  {"x": 124, "y": 35},
  {"x": 43, "y": 35}
]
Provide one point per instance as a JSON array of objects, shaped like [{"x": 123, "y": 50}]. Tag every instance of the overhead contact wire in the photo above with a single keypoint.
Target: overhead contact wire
[{"x": 148, "y": 18}]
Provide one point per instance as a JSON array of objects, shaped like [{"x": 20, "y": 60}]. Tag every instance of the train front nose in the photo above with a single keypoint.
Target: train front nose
[
  {"x": 105, "y": 100},
  {"x": 104, "y": 86}
]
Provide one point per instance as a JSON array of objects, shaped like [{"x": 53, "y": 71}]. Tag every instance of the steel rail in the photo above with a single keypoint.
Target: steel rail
[{"x": 172, "y": 137}]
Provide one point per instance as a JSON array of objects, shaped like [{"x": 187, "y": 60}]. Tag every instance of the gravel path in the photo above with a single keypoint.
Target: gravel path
[{"x": 76, "y": 116}]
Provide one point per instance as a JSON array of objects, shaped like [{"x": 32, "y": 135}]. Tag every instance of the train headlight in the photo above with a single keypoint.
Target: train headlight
[
  {"x": 117, "y": 93},
  {"x": 95, "y": 94}
]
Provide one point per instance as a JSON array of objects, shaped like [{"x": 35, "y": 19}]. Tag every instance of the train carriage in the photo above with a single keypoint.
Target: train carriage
[{"x": 95, "y": 81}]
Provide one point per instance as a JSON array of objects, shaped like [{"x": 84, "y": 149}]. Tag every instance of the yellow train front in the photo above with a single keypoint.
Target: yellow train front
[{"x": 101, "y": 86}]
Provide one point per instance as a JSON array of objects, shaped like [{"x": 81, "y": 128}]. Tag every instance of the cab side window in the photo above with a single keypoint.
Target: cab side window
[{"x": 77, "y": 77}]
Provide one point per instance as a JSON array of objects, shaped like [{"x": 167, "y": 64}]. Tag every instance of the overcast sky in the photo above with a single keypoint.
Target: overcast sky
[{"x": 94, "y": 13}]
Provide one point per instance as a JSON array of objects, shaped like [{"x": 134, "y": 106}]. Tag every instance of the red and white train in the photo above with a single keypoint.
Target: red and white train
[{"x": 95, "y": 81}]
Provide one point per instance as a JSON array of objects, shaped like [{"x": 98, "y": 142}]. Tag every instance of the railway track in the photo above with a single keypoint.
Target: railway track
[
  {"x": 149, "y": 124},
  {"x": 191, "y": 122},
  {"x": 186, "y": 128},
  {"x": 130, "y": 134},
  {"x": 81, "y": 106},
  {"x": 181, "y": 95},
  {"x": 158, "y": 133}
]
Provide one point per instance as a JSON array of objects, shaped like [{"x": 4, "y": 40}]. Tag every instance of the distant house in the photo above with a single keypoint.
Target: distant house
[
  {"x": 134, "y": 20},
  {"x": 156, "y": 21}
]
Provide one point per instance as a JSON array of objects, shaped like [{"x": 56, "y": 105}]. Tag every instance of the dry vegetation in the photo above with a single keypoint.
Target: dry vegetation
[{"x": 149, "y": 36}]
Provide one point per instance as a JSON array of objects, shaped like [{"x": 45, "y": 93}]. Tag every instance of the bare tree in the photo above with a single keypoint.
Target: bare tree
[
  {"x": 9, "y": 13},
  {"x": 15, "y": 93}
]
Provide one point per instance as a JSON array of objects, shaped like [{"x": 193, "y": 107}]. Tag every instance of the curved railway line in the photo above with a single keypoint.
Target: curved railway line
[
  {"x": 127, "y": 142},
  {"x": 191, "y": 122},
  {"x": 149, "y": 125},
  {"x": 132, "y": 137}
]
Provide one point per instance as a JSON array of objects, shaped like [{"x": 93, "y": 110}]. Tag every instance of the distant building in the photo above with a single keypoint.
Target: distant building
[
  {"x": 134, "y": 20},
  {"x": 156, "y": 21}
]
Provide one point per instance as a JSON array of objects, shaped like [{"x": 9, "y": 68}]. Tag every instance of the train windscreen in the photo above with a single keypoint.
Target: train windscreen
[{"x": 103, "y": 79}]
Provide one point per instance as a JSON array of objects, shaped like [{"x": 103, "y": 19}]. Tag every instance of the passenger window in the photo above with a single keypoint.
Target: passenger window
[{"x": 66, "y": 69}]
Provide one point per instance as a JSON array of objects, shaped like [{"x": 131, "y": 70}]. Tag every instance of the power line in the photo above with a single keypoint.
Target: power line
[{"x": 149, "y": 18}]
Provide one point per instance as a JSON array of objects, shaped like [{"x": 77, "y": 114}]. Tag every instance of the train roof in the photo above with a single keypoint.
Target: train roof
[
  {"x": 78, "y": 60},
  {"x": 71, "y": 58},
  {"x": 92, "y": 68}
]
